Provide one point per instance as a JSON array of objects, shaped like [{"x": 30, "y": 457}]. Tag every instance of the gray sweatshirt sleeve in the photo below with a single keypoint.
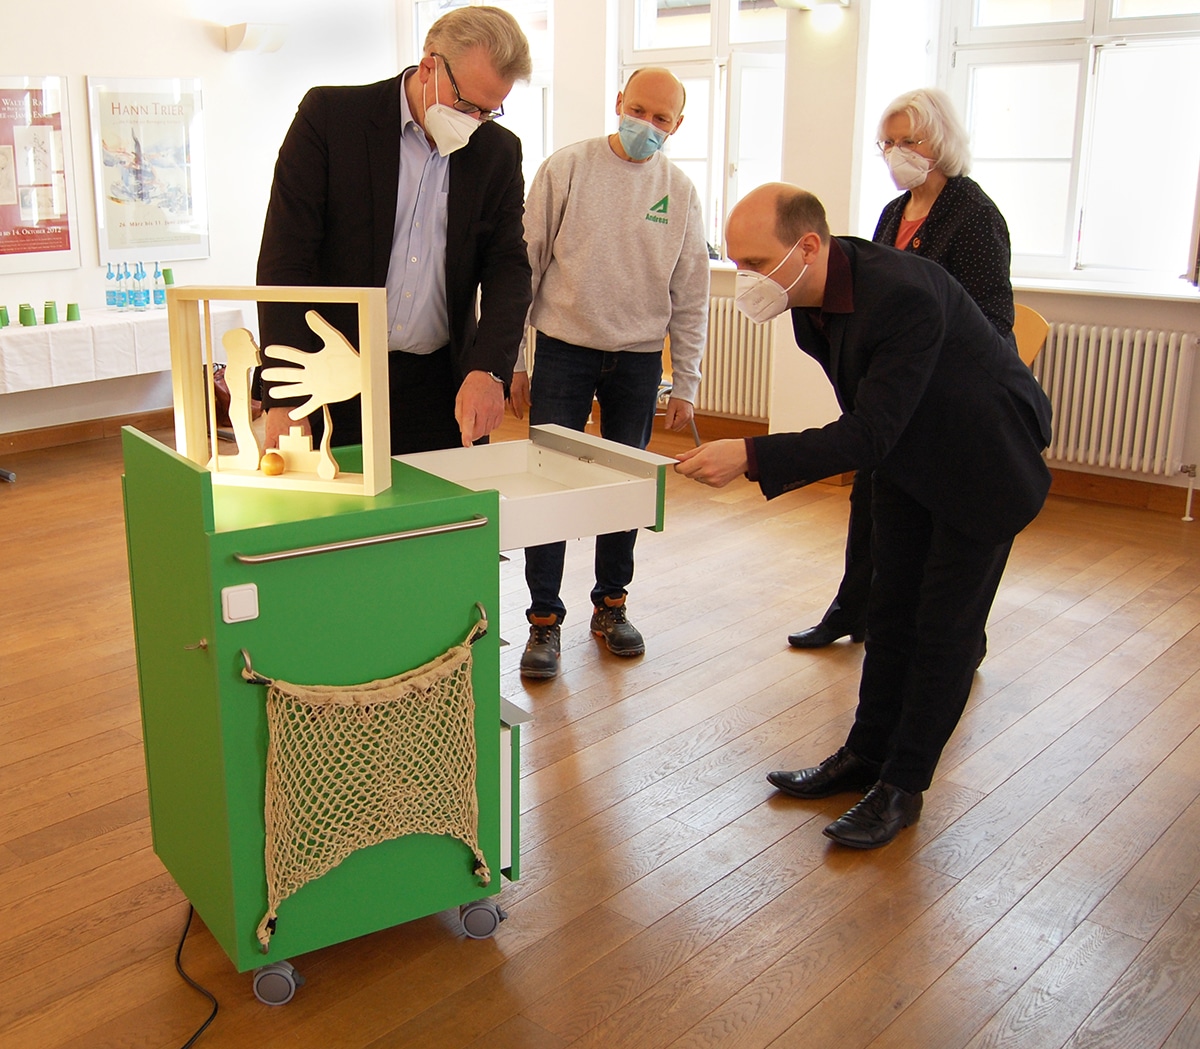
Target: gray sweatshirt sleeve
[
  {"x": 689, "y": 306},
  {"x": 543, "y": 216}
]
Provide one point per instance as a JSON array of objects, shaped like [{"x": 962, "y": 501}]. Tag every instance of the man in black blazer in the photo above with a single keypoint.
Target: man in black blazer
[
  {"x": 408, "y": 184},
  {"x": 933, "y": 401}
]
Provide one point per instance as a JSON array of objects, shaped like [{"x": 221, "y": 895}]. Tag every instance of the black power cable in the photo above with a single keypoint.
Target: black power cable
[{"x": 207, "y": 994}]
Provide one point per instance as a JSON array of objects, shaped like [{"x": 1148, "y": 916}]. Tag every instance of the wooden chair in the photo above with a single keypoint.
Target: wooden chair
[{"x": 1030, "y": 329}]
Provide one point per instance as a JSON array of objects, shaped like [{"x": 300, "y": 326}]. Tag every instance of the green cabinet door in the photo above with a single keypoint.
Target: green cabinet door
[{"x": 350, "y": 609}]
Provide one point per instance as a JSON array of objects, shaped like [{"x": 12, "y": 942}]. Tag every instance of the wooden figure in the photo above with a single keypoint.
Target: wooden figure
[
  {"x": 242, "y": 355},
  {"x": 297, "y": 450}
]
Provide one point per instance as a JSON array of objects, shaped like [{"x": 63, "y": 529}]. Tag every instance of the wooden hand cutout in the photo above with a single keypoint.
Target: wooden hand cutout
[{"x": 331, "y": 374}]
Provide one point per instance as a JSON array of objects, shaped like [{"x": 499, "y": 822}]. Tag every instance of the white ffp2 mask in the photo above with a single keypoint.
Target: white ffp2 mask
[
  {"x": 909, "y": 169},
  {"x": 449, "y": 129},
  {"x": 759, "y": 297}
]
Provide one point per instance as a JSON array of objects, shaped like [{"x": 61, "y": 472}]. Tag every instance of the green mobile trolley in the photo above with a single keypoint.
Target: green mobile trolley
[
  {"x": 313, "y": 588},
  {"x": 242, "y": 584}
]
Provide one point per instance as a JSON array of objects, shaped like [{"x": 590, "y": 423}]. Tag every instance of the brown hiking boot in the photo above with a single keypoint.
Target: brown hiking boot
[
  {"x": 621, "y": 636},
  {"x": 540, "y": 658}
]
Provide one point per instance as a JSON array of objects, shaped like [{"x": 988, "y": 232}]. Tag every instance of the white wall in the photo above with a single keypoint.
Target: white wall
[
  {"x": 896, "y": 54},
  {"x": 820, "y": 107},
  {"x": 819, "y": 145},
  {"x": 585, "y": 70},
  {"x": 249, "y": 101}
]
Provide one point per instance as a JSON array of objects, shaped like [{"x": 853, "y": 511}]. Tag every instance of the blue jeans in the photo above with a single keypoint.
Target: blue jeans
[{"x": 565, "y": 380}]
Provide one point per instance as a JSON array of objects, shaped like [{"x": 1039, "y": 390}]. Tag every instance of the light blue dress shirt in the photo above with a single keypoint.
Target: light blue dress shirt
[{"x": 416, "y": 279}]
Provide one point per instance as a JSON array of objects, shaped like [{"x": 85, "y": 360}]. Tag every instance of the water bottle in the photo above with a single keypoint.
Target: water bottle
[
  {"x": 122, "y": 287},
  {"x": 110, "y": 289},
  {"x": 141, "y": 297},
  {"x": 160, "y": 289}
]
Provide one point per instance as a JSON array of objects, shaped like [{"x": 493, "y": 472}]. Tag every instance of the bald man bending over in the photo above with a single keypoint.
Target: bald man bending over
[{"x": 952, "y": 424}]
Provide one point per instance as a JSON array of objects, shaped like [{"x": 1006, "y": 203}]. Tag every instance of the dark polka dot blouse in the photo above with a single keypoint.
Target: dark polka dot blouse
[{"x": 964, "y": 233}]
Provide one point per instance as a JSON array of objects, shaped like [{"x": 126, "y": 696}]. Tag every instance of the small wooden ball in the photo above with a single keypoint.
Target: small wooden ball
[{"x": 272, "y": 464}]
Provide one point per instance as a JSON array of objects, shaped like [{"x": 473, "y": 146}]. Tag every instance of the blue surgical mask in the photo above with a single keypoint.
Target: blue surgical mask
[{"x": 639, "y": 138}]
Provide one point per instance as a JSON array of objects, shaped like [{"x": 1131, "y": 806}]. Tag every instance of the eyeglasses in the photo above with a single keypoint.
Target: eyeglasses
[
  {"x": 461, "y": 104},
  {"x": 885, "y": 144}
]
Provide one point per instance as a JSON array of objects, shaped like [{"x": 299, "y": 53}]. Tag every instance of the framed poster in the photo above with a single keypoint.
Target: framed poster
[
  {"x": 148, "y": 165},
  {"x": 37, "y": 191}
]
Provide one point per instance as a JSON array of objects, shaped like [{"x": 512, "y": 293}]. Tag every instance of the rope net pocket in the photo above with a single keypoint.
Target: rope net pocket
[{"x": 352, "y": 766}]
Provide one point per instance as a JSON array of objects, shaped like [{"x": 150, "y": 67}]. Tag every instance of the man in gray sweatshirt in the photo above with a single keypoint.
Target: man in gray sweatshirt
[{"x": 620, "y": 262}]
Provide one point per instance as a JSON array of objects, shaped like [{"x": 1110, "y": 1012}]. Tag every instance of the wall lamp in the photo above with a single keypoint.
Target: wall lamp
[{"x": 255, "y": 36}]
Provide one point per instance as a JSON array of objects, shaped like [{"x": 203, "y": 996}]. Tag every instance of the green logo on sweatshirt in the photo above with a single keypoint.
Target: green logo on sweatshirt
[{"x": 658, "y": 212}]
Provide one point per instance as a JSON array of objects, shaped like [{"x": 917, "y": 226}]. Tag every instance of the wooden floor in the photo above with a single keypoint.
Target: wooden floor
[{"x": 1050, "y": 895}]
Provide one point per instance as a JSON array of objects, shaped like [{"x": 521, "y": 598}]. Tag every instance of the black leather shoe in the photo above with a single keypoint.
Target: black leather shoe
[
  {"x": 877, "y": 819},
  {"x": 821, "y": 635},
  {"x": 844, "y": 771}
]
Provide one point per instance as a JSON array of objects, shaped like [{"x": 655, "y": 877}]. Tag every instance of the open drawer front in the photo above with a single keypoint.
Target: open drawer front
[{"x": 559, "y": 484}]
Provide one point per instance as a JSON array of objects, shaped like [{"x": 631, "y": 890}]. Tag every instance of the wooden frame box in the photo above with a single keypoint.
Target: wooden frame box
[{"x": 192, "y": 360}]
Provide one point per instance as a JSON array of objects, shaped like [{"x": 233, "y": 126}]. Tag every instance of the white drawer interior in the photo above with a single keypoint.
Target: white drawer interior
[{"x": 558, "y": 485}]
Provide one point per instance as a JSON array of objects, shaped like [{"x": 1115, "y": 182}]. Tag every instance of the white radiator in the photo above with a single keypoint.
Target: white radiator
[
  {"x": 1120, "y": 396},
  {"x": 737, "y": 364}
]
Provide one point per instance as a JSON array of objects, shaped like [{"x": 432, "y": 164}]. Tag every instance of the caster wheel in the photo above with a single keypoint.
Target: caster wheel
[
  {"x": 276, "y": 984},
  {"x": 480, "y": 919}
]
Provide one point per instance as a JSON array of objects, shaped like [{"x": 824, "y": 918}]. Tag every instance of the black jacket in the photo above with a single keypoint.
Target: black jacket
[
  {"x": 333, "y": 208},
  {"x": 933, "y": 399}
]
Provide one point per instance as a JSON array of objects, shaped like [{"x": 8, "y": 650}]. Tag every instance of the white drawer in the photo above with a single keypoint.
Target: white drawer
[{"x": 559, "y": 484}]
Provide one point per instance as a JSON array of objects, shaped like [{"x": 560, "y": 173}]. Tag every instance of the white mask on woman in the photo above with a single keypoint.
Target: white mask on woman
[
  {"x": 758, "y": 296},
  {"x": 448, "y": 128},
  {"x": 909, "y": 169}
]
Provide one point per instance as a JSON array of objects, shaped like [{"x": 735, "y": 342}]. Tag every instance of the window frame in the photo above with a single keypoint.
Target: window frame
[
  {"x": 1106, "y": 24},
  {"x": 1097, "y": 21},
  {"x": 965, "y": 46},
  {"x": 959, "y": 86},
  {"x": 739, "y": 62}
]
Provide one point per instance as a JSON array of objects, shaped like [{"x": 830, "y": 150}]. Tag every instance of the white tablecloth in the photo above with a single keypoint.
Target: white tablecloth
[{"x": 103, "y": 344}]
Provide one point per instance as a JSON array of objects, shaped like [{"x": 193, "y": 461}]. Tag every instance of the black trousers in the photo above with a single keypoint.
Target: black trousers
[
  {"x": 421, "y": 392},
  {"x": 848, "y": 612},
  {"x": 930, "y": 597}
]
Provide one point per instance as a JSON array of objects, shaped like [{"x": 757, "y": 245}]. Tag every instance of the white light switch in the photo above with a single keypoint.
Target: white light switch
[{"x": 239, "y": 603}]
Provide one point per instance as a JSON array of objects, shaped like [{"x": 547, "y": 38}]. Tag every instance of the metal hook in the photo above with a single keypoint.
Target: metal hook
[
  {"x": 482, "y": 625},
  {"x": 250, "y": 674}
]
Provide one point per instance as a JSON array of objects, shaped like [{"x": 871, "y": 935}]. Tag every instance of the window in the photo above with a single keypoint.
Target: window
[
  {"x": 1084, "y": 130},
  {"x": 729, "y": 55}
]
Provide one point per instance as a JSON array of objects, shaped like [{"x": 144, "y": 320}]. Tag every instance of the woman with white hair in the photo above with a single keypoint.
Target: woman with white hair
[{"x": 945, "y": 216}]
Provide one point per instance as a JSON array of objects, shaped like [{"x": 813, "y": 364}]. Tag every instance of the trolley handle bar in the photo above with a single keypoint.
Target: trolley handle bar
[{"x": 478, "y": 521}]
